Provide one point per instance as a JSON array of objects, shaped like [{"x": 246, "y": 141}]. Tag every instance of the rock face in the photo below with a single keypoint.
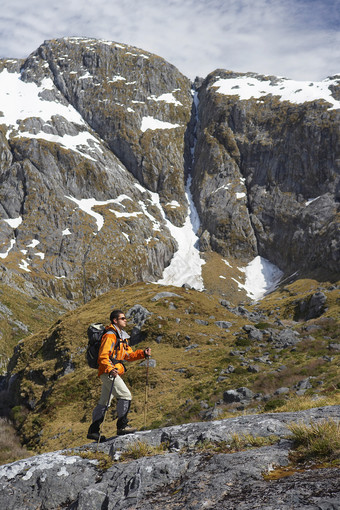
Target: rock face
[
  {"x": 97, "y": 140},
  {"x": 88, "y": 144},
  {"x": 266, "y": 173},
  {"x": 176, "y": 479}
]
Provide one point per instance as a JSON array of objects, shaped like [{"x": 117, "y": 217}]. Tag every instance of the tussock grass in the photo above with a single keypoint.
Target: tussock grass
[
  {"x": 139, "y": 449},
  {"x": 237, "y": 443},
  {"x": 10, "y": 447},
  {"x": 104, "y": 461},
  {"x": 316, "y": 441},
  {"x": 296, "y": 403}
]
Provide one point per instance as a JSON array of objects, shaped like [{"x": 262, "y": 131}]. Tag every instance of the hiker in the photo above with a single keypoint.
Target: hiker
[{"x": 113, "y": 350}]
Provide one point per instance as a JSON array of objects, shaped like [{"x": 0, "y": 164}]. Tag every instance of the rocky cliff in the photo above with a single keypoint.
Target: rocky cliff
[
  {"x": 266, "y": 170},
  {"x": 98, "y": 138},
  {"x": 80, "y": 157}
]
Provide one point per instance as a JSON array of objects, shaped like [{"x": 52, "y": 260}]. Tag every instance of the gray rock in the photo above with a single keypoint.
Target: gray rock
[
  {"x": 282, "y": 391},
  {"x": 192, "y": 346},
  {"x": 138, "y": 314},
  {"x": 187, "y": 478},
  {"x": 283, "y": 339},
  {"x": 313, "y": 306},
  {"x": 223, "y": 324},
  {"x": 163, "y": 295},
  {"x": 333, "y": 346},
  {"x": 305, "y": 384},
  {"x": 238, "y": 395},
  {"x": 148, "y": 363},
  {"x": 254, "y": 369},
  {"x": 240, "y": 151}
]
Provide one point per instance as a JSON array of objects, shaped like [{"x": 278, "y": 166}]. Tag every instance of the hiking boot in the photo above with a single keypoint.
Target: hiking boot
[
  {"x": 96, "y": 437},
  {"x": 126, "y": 430}
]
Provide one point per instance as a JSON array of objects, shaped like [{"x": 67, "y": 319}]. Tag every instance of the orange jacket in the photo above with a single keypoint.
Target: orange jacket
[{"x": 123, "y": 352}]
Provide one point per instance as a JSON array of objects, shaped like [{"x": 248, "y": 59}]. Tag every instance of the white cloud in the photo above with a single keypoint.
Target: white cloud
[{"x": 299, "y": 39}]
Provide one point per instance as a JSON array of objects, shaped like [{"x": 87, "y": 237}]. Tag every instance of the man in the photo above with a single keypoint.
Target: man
[{"x": 113, "y": 350}]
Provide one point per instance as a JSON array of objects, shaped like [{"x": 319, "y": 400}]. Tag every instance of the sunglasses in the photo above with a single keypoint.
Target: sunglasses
[{"x": 122, "y": 318}]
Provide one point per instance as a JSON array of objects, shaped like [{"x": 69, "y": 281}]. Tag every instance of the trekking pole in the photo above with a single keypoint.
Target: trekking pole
[
  {"x": 106, "y": 408},
  {"x": 146, "y": 389}
]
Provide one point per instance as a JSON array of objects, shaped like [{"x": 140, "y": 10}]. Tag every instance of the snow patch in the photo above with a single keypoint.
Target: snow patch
[
  {"x": 14, "y": 222},
  {"x": 261, "y": 277},
  {"x": 152, "y": 123},
  {"x": 33, "y": 243},
  {"x": 86, "y": 205},
  {"x": 117, "y": 78},
  {"x": 4, "y": 255},
  {"x": 24, "y": 266},
  {"x": 308, "y": 202},
  {"x": 173, "y": 204},
  {"x": 186, "y": 264},
  {"x": 167, "y": 97}
]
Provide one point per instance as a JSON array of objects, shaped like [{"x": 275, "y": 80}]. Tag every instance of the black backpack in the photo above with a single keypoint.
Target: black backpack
[{"x": 95, "y": 333}]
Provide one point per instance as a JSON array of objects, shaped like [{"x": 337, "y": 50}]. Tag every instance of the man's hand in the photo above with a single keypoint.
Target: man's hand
[
  {"x": 113, "y": 374},
  {"x": 147, "y": 352}
]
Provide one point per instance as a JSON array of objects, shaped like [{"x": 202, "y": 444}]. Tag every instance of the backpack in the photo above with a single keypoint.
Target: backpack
[{"x": 95, "y": 333}]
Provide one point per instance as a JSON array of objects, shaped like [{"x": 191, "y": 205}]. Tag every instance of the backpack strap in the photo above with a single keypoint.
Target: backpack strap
[{"x": 119, "y": 340}]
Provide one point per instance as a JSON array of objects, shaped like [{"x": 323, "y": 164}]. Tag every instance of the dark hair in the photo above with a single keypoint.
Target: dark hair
[{"x": 115, "y": 314}]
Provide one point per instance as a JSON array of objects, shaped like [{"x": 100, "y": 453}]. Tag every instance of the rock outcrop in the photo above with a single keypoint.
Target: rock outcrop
[
  {"x": 105, "y": 128},
  {"x": 266, "y": 171},
  {"x": 184, "y": 476}
]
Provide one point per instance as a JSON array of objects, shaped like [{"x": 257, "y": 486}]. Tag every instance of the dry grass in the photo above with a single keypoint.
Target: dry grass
[
  {"x": 316, "y": 441},
  {"x": 10, "y": 447},
  {"x": 236, "y": 443},
  {"x": 182, "y": 378},
  {"x": 140, "y": 449},
  {"x": 296, "y": 403}
]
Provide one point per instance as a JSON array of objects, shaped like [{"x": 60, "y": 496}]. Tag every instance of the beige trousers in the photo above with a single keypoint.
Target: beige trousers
[{"x": 120, "y": 390}]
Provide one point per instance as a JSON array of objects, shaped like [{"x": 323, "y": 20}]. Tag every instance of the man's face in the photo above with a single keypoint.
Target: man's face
[{"x": 121, "y": 321}]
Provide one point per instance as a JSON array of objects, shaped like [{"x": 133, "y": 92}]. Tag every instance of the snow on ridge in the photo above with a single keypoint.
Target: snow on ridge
[
  {"x": 68, "y": 141},
  {"x": 247, "y": 87},
  {"x": 20, "y": 101}
]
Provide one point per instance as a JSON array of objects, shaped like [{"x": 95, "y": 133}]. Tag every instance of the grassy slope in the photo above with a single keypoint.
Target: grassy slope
[
  {"x": 62, "y": 400},
  {"x": 20, "y": 315}
]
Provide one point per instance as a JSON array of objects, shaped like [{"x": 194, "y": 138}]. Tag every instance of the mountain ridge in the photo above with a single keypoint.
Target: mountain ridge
[{"x": 125, "y": 185}]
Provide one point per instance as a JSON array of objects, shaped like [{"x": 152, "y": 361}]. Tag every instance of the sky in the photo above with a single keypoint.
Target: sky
[{"x": 297, "y": 39}]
